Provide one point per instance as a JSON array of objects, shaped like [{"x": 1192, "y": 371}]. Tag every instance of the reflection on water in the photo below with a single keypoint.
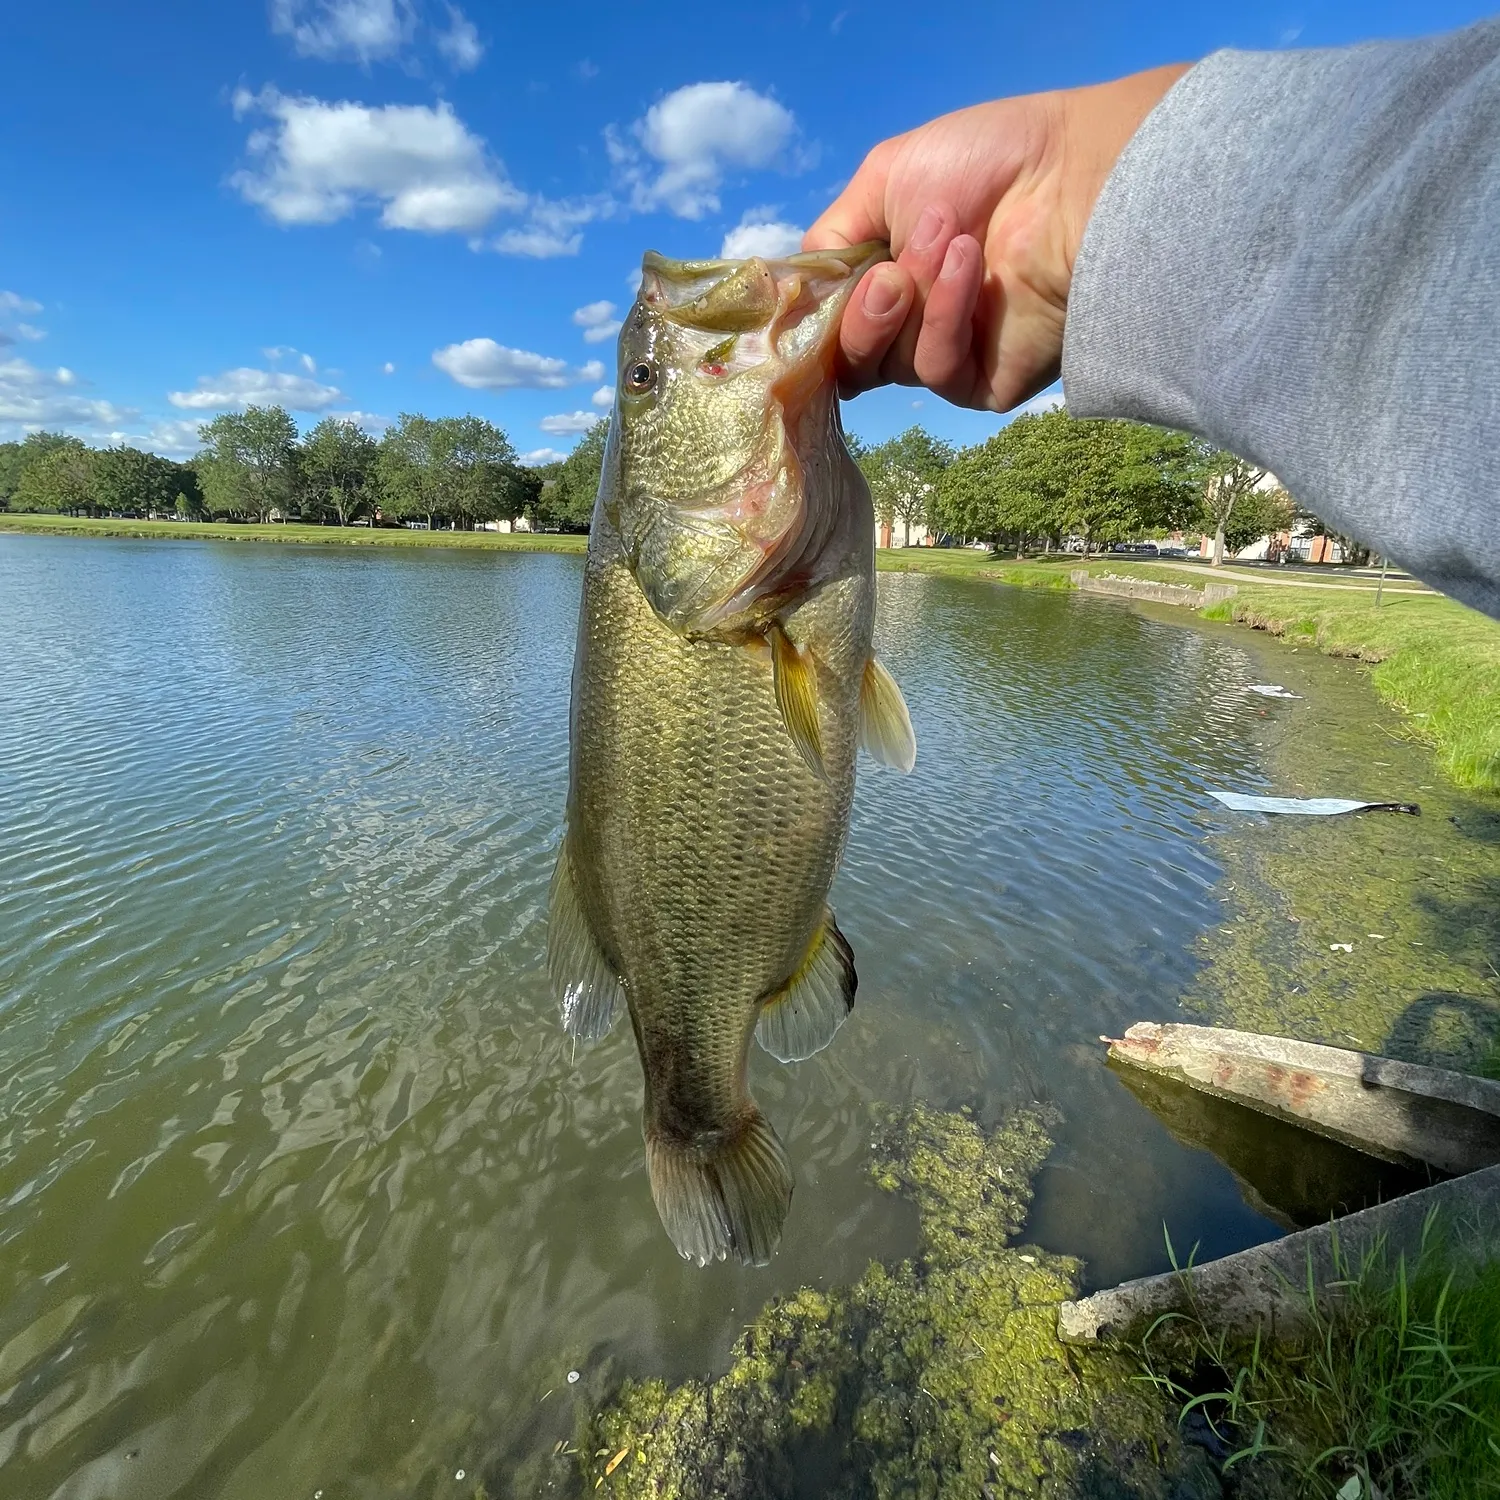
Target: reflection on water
[{"x": 301, "y": 1186}]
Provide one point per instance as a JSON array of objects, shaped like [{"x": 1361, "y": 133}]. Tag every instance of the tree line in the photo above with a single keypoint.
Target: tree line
[
  {"x": 254, "y": 466},
  {"x": 1041, "y": 480},
  {"x": 1049, "y": 477}
]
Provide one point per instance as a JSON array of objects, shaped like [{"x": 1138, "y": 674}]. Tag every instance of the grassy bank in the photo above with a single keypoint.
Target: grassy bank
[
  {"x": 1433, "y": 659},
  {"x": 293, "y": 533}
]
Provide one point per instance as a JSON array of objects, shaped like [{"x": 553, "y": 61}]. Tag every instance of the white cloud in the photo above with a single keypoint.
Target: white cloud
[
  {"x": 538, "y": 243},
  {"x": 460, "y": 44},
  {"x": 234, "y": 389},
  {"x": 1048, "y": 400},
  {"x": 28, "y": 332},
  {"x": 760, "y": 233},
  {"x": 694, "y": 136},
  {"x": 586, "y": 70},
  {"x": 388, "y": 368},
  {"x": 371, "y": 421},
  {"x": 172, "y": 438},
  {"x": 568, "y": 421},
  {"x": 279, "y": 352},
  {"x": 482, "y": 364},
  {"x": 31, "y": 398},
  {"x": 539, "y": 456},
  {"x": 364, "y": 30},
  {"x": 13, "y": 302},
  {"x": 604, "y": 396},
  {"x": 552, "y": 226},
  {"x": 318, "y": 162},
  {"x": 598, "y": 321}
]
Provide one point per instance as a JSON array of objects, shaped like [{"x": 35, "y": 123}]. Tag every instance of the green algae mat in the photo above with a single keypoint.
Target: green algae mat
[{"x": 940, "y": 1378}]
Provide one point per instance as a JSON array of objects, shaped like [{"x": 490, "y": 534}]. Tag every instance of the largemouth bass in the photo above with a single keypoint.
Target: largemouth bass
[{"x": 722, "y": 682}]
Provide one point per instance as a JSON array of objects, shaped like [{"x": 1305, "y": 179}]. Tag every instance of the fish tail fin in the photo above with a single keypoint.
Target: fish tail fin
[{"x": 727, "y": 1195}]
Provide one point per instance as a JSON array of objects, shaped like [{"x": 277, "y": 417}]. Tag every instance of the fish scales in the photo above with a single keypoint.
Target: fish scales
[{"x": 715, "y": 726}]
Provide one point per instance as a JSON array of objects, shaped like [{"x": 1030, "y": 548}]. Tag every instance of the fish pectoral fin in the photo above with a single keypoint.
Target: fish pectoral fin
[
  {"x": 884, "y": 723},
  {"x": 586, "y": 985},
  {"x": 726, "y": 1195},
  {"x": 802, "y": 1019},
  {"x": 794, "y": 676}
]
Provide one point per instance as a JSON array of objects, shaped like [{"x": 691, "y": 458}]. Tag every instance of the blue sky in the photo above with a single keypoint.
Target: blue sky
[{"x": 376, "y": 206}]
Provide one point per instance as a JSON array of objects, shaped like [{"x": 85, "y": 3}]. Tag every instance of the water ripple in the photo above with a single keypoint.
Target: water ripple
[{"x": 302, "y": 1186}]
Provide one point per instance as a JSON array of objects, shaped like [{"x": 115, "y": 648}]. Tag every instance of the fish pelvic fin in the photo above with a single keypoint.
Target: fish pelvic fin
[
  {"x": 722, "y": 1195},
  {"x": 802, "y": 1019},
  {"x": 794, "y": 676},
  {"x": 884, "y": 723},
  {"x": 585, "y": 983}
]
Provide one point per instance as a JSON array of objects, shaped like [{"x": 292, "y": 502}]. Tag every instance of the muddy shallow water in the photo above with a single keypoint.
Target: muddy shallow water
[{"x": 301, "y": 1186}]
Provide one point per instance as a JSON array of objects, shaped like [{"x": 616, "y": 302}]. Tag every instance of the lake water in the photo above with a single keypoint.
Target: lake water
[{"x": 302, "y": 1188}]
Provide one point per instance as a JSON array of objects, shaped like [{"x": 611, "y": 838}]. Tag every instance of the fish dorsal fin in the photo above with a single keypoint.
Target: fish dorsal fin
[
  {"x": 794, "y": 675},
  {"x": 725, "y": 1194},
  {"x": 802, "y": 1019},
  {"x": 586, "y": 986},
  {"x": 884, "y": 724}
]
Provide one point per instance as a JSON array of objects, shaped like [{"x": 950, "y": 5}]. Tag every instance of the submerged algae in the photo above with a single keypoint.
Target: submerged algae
[
  {"x": 938, "y": 1378},
  {"x": 1417, "y": 900}
]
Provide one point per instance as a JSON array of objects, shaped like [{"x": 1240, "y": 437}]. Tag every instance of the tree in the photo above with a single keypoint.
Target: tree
[
  {"x": 248, "y": 466},
  {"x": 338, "y": 470},
  {"x": 14, "y": 457},
  {"x": 1228, "y": 482},
  {"x": 460, "y": 468},
  {"x": 903, "y": 474},
  {"x": 568, "y": 488},
  {"x": 60, "y": 479},
  {"x": 1049, "y": 474},
  {"x": 128, "y": 479}
]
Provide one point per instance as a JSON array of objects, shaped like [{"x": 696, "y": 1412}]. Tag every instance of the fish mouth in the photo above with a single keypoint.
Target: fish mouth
[{"x": 718, "y": 560}]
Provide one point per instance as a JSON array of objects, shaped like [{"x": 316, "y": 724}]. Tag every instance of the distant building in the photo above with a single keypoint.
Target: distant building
[{"x": 894, "y": 534}]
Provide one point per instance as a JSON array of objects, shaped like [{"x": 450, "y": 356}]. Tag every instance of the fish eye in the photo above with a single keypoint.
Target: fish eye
[{"x": 640, "y": 377}]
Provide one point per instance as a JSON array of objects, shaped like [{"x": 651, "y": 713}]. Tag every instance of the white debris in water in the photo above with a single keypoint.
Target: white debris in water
[
  {"x": 1029, "y": 1259},
  {"x": 459, "y": 1474},
  {"x": 572, "y": 1377},
  {"x": 1341, "y": 947},
  {"x": 1271, "y": 690}
]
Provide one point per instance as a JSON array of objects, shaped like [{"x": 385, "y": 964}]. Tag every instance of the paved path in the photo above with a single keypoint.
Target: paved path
[{"x": 1280, "y": 580}]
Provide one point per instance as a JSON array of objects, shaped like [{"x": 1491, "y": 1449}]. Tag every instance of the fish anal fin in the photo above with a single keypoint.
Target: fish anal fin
[
  {"x": 586, "y": 985},
  {"x": 884, "y": 723},
  {"x": 802, "y": 1019},
  {"x": 794, "y": 676},
  {"x": 722, "y": 1195}
]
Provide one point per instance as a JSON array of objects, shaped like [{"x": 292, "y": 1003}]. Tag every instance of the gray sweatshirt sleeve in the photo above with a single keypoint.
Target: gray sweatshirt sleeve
[{"x": 1298, "y": 257}]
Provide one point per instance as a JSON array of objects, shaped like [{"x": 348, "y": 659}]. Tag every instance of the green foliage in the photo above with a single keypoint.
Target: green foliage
[
  {"x": 57, "y": 477},
  {"x": 14, "y": 457},
  {"x": 462, "y": 469},
  {"x": 337, "y": 471},
  {"x": 248, "y": 466},
  {"x": 127, "y": 479},
  {"x": 903, "y": 474},
  {"x": 1392, "y": 1392},
  {"x": 1053, "y": 475},
  {"x": 565, "y": 498},
  {"x": 939, "y": 1378}
]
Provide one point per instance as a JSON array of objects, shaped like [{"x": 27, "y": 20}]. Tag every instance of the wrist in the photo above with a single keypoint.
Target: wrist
[{"x": 1097, "y": 124}]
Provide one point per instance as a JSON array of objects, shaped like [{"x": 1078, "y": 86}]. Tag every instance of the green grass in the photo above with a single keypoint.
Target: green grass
[
  {"x": 349, "y": 536},
  {"x": 1393, "y": 1391}
]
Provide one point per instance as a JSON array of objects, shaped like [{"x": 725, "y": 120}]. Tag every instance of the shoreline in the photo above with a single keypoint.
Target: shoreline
[{"x": 1431, "y": 658}]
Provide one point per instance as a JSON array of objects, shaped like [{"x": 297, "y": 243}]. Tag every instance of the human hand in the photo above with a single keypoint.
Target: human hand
[{"x": 984, "y": 210}]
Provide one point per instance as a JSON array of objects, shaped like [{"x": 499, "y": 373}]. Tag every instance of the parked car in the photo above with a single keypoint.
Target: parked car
[{"x": 1136, "y": 549}]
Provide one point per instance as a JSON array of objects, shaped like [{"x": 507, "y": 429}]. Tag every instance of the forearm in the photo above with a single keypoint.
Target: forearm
[{"x": 1298, "y": 257}]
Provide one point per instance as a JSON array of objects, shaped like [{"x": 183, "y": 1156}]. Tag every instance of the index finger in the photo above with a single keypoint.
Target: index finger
[{"x": 858, "y": 213}]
